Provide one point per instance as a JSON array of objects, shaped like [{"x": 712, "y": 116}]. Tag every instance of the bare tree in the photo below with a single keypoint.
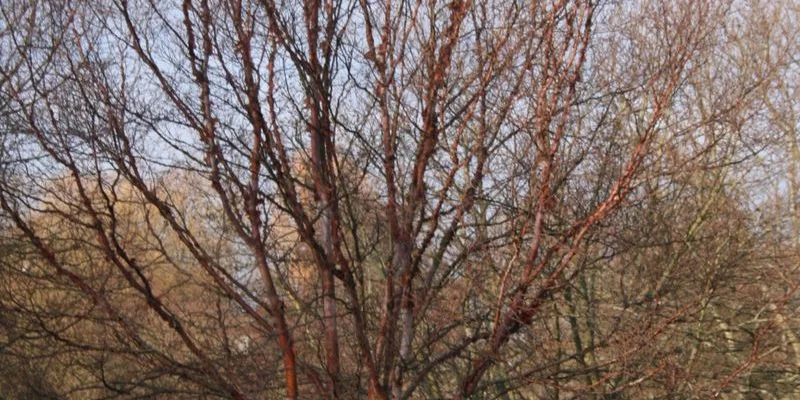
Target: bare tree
[{"x": 392, "y": 199}]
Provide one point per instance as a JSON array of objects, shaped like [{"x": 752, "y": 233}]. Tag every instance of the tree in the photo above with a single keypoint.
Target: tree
[{"x": 396, "y": 200}]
